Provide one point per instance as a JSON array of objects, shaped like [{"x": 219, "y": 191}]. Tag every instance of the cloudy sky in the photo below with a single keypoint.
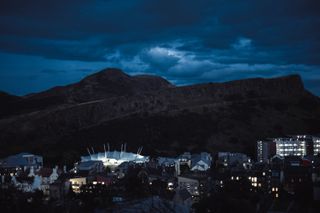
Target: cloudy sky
[{"x": 49, "y": 43}]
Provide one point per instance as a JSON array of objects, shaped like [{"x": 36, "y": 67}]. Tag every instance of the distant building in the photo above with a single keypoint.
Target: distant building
[
  {"x": 31, "y": 179},
  {"x": 48, "y": 175},
  {"x": 190, "y": 184},
  {"x": 103, "y": 180},
  {"x": 259, "y": 177},
  {"x": 201, "y": 162},
  {"x": 230, "y": 159},
  {"x": 297, "y": 176},
  {"x": 166, "y": 161},
  {"x": 197, "y": 185},
  {"x": 277, "y": 175},
  {"x": 22, "y": 161},
  {"x": 90, "y": 167},
  {"x": 77, "y": 182},
  {"x": 185, "y": 159},
  {"x": 292, "y": 146},
  {"x": 89, "y": 184},
  {"x": 316, "y": 145},
  {"x": 113, "y": 159},
  {"x": 295, "y": 145},
  {"x": 123, "y": 169},
  {"x": 265, "y": 150}
]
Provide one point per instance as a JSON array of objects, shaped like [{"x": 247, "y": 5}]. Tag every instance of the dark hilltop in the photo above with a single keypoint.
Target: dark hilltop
[{"x": 111, "y": 106}]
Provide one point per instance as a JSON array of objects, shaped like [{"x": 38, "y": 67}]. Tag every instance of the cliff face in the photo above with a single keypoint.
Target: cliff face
[{"x": 148, "y": 111}]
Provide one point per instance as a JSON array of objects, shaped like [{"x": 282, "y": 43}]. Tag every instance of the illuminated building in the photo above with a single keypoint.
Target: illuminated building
[
  {"x": 259, "y": 176},
  {"x": 77, "y": 182},
  {"x": 290, "y": 146},
  {"x": 113, "y": 159},
  {"x": 298, "y": 145},
  {"x": 295, "y": 145},
  {"x": 316, "y": 145}
]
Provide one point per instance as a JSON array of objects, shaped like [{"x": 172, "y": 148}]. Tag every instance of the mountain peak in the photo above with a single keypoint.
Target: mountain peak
[
  {"x": 107, "y": 83},
  {"x": 110, "y": 74}
]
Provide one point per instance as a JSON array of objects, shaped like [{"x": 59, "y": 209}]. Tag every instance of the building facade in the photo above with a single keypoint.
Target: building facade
[
  {"x": 290, "y": 146},
  {"x": 316, "y": 145},
  {"x": 295, "y": 145},
  {"x": 265, "y": 150},
  {"x": 22, "y": 161}
]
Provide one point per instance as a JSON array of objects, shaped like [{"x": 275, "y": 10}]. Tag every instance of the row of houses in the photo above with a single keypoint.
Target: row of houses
[
  {"x": 189, "y": 177},
  {"x": 25, "y": 172}
]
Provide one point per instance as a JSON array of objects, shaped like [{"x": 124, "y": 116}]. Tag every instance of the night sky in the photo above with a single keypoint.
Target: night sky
[{"x": 48, "y": 43}]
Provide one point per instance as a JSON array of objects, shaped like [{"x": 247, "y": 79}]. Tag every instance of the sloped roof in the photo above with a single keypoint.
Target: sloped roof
[
  {"x": 18, "y": 160},
  {"x": 165, "y": 160},
  {"x": 125, "y": 156},
  {"x": 87, "y": 164},
  {"x": 197, "y": 158}
]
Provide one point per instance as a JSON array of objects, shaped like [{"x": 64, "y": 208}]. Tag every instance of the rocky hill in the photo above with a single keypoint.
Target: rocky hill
[
  {"x": 111, "y": 106},
  {"x": 108, "y": 83}
]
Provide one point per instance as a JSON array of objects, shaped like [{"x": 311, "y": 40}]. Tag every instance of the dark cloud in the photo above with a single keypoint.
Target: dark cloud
[
  {"x": 52, "y": 71},
  {"x": 185, "y": 41}
]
